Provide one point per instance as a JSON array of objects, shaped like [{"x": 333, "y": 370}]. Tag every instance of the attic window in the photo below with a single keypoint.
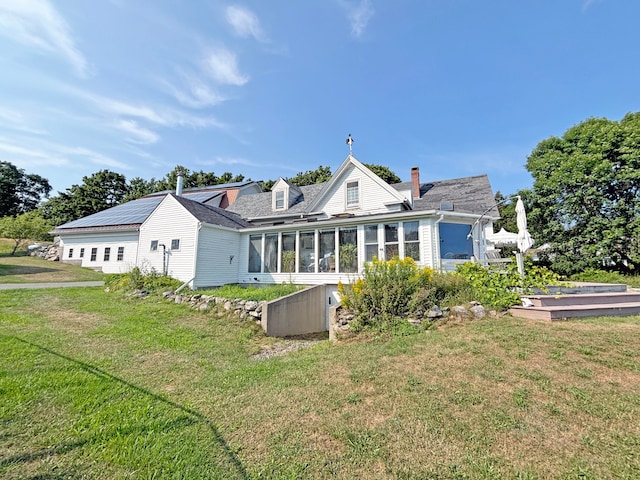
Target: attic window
[
  {"x": 280, "y": 200},
  {"x": 446, "y": 206},
  {"x": 353, "y": 194}
]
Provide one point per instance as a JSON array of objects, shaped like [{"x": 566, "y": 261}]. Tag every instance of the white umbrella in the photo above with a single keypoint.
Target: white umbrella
[{"x": 525, "y": 242}]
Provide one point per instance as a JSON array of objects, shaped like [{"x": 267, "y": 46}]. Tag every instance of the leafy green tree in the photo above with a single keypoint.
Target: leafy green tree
[
  {"x": 384, "y": 173},
  {"x": 102, "y": 190},
  {"x": 194, "y": 179},
  {"x": 586, "y": 198},
  {"x": 139, "y": 187},
  {"x": 20, "y": 192},
  {"x": 24, "y": 228}
]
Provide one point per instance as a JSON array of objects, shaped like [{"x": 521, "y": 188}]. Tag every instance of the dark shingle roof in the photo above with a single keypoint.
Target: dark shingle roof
[
  {"x": 259, "y": 204},
  {"x": 211, "y": 215},
  {"x": 467, "y": 194}
]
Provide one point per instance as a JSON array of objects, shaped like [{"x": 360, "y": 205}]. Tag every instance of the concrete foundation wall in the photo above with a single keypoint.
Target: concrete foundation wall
[{"x": 296, "y": 314}]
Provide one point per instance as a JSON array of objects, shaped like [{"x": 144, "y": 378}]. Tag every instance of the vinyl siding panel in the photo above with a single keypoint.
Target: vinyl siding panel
[
  {"x": 168, "y": 222},
  {"x": 372, "y": 197},
  {"x": 218, "y": 259},
  {"x": 128, "y": 240}
]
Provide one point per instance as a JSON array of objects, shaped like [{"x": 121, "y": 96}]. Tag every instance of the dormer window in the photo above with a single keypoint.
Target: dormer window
[
  {"x": 353, "y": 194},
  {"x": 279, "y": 200}
]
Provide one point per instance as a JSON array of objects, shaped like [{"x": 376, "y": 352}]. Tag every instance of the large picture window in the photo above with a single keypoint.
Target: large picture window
[
  {"x": 454, "y": 243},
  {"x": 255, "y": 253}
]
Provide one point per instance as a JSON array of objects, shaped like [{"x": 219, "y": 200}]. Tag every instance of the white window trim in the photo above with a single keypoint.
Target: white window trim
[
  {"x": 285, "y": 197},
  {"x": 346, "y": 195},
  {"x": 179, "y": 244}
]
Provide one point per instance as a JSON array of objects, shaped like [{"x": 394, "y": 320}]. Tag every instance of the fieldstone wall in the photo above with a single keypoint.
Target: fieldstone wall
[
  {"x": 341, "y": 318},
  {"x": 48, "y": 252},
  {"x": 245, "y": 309}
]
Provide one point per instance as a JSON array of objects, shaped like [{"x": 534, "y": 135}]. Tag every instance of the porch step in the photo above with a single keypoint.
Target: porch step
[
  {"x": 584, "y": 299},
  {"x": 611, "y": 301},
  {"x": 562, "y": 312}
]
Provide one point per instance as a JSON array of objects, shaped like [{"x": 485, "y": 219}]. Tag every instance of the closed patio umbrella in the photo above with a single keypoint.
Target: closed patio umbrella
[{"x": 525, "y": 242}]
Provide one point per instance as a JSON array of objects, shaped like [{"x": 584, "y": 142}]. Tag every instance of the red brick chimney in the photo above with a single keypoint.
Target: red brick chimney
[{"x": 415, "y": 180}]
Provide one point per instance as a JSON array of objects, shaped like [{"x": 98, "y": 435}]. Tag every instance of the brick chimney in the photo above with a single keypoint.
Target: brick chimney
[{"x": 415, "y": 180}]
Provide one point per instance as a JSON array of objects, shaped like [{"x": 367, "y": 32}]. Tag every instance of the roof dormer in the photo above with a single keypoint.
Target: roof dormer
[{"x": 283, "y": 195}]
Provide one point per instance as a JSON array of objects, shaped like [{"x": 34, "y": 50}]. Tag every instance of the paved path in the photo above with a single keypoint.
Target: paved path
[{"x": 14, "y": 286}]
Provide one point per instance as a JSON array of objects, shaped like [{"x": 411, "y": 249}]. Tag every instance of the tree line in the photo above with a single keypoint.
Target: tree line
[{"x": 583, "y": 207}]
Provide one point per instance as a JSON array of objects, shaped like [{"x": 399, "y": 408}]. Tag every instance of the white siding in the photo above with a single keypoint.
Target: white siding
[
  {"x": 169, "y": 221},
  {"x": 218, "y": 259},
  {"x": 100, "y": 241},
  {"x": 372, "y": 197}
]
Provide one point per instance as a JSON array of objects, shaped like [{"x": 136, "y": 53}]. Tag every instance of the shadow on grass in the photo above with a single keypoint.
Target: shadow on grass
[
  {"x": 233, "y": 459},
  {"x": 23, "y": 270}
]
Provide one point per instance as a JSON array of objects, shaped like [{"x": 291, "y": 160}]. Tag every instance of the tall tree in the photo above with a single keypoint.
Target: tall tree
[
  {"x": 195, "y": 179},
  {"x": 99, "y": 191},
  {"x": 586, "y": 200},
  {"x": 20, "y": 192}
]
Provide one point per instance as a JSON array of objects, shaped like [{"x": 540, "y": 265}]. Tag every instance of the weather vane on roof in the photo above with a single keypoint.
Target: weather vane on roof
[{"x": 350, "y": 143}]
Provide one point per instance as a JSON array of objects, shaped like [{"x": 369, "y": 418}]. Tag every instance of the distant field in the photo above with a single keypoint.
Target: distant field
[
  {"x": 99, "y": 386},
  {"x": 24, "y": 269}
]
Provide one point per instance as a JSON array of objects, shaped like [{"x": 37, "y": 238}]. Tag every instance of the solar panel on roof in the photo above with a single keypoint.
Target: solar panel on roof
[
  {"x": 133, "y": 212},
  {"x": 201, "y": 197}
]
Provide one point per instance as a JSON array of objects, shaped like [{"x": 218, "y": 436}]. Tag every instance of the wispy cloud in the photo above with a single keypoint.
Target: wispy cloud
[
  {"x": 222, "y": 66},
  {"x": 137, "y": 134},
  {"x": 245, "y": 23},
  {"x": 37, "y": 24},
  {"x": 195, "y": 93},
  {"x": 26, "y": 154},
  {"x": 358, "y": 14},
  {"x": 17, "y": 121}
]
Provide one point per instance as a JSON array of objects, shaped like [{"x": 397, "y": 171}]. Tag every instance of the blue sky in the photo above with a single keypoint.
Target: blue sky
[{"x": 272, "y": 88}]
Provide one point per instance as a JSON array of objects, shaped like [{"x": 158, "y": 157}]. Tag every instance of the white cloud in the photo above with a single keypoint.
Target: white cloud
[
  {"x": 15, "y": 120},
  {"x": 222, "y": 66},
  {"x": 588, "y": 3},
  {"x": 37, "y": 24},
  {"x": 358, "y": 15},
  {"x": 137, "y": 134},
  {"x": 245, "y": 23},
  {"x": 48, "y": 154},
  {"x": 196, "y": 94}
]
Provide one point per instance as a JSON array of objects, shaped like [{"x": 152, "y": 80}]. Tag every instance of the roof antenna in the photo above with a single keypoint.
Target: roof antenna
[{"x": 350, "y": 143}]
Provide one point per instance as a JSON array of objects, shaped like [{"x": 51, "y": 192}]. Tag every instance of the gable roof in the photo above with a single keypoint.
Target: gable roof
[
  {"x": 336, "y": 177},
  {"x": 211, "y": 215}
]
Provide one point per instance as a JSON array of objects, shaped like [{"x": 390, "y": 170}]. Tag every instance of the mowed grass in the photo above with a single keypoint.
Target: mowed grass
[
  {"x": 93, "y": 385},
  {"x": 25, "y": 269}
]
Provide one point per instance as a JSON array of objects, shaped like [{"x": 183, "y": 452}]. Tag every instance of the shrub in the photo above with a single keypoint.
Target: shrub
[
  {"x": 501, "y": 287},
  {"x": 385, "y": 291},
  {"x": 138, "y": 279},
  {"x": 444, "y": 290}
]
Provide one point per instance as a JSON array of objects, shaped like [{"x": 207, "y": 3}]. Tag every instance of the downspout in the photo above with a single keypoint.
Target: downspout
[{"x": 437, "y": 243}]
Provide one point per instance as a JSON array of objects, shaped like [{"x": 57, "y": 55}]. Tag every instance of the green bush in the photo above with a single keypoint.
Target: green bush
[
  {"x": 137, "y": 279},
  {"x": 443, "y": 290},
  {"x": 384, "y": 292},
  {"x": 501, "y": 287},
  {"x": 602, "y": 276}
]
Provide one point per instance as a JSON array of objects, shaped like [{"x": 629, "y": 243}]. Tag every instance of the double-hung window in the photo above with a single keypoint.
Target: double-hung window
[
  {"x": 107, "y": 253},
  {"x": 120, "y": 254},
  {"x": 353, "y": 194}
]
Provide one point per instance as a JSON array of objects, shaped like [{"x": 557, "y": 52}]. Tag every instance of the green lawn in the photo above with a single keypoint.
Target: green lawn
[
  {"x": 96, "y": 386},
  {"x": 23, "y": 269}
]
